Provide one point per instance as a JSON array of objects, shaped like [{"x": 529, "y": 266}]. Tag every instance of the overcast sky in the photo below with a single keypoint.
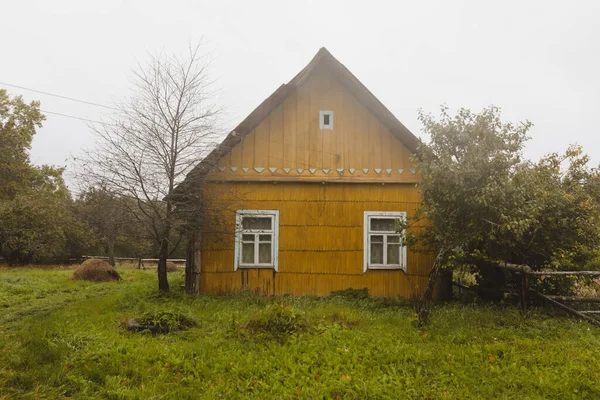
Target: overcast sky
[{"x": 537, "y": 60}]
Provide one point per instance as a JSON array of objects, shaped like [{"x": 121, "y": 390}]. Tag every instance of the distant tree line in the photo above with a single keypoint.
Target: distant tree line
[{"x": 41, "y": 221}]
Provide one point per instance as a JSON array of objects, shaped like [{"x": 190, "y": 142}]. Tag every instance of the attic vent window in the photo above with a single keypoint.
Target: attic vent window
[{"x": 326, "y": 120}]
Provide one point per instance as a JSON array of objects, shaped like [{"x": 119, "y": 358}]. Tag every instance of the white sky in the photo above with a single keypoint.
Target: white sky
[{"x": 538, "y": 60}]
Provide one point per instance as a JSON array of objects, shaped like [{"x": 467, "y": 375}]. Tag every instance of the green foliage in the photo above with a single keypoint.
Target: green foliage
[
  {"x": 36, "y": 216},
  {"x": 114, "y": 229},
  {"x": 277, "y": 321},
  {"x": 61, "y": 339},
  {"x": 484, "y": 204},
  {"x": 355, "y": 294},
  {"x": 166, "y": 318},
  {"x": 466, "y": 167},
  {"x": 18, "y": 122}
]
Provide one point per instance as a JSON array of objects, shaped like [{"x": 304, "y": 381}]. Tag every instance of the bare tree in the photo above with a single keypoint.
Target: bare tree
[{"x": 164, "y": 129}]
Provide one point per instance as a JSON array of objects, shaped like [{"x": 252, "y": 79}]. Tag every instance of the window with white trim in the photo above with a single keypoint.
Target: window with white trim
[
  {"x": 256, "y": 239},
  {"x": 326, "y": 119},
  {"x": 383, "y": 242}
]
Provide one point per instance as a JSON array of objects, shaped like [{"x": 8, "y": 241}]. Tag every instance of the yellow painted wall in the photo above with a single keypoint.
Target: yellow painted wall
[
  {"x": 320, "y": 238},
  {"x": 291, "y": 138}
]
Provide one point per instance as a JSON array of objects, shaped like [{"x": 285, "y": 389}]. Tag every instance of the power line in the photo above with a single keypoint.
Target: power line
[
  {"x": 62, "y": 97},
  {"x": 74, "y": 117}
]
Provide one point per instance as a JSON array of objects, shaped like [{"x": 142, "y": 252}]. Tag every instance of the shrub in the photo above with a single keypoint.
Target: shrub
[
  {"x": 169, "y": 318},
  {"x": 351, "y": 294},
  {"x": 160, "y": 322},
  {"x": 277, "y": 322}
]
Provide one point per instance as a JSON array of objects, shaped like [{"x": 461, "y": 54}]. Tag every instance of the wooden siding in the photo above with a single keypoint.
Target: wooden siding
[
  {"x": 290, "y": 142},
  {"x": 320, "y": 239}
]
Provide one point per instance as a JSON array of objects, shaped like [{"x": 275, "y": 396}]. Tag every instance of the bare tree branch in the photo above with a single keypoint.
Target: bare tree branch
[{"x": 158, "y": 135}]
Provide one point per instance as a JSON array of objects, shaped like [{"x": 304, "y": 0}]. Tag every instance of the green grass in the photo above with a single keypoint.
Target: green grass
[{"x": 62, "y": 338}]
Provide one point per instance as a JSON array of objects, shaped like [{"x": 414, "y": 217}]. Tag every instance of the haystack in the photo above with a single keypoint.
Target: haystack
[
  {"x": 96, "y": 270},
  {"x": 172, "y": 267}
]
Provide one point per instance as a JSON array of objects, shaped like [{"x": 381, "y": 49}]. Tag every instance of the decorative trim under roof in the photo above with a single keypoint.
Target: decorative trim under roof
[{"x": 323, "y": 58}]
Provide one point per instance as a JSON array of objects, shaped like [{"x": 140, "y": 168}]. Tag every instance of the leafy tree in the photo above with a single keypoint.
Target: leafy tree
[
  {"x": 18, "y": 122},
  {"x": 36, "y": 218},
  {"x": 483, "y": 204},
  {"x": 116, "y": 231},
  {"x": 103, "y": 213},
  {"x": 556, "y": 219},
  {"x": 38, "y": 224}
]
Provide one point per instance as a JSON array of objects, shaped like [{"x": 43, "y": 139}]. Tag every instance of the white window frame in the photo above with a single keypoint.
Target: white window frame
[
  {"x": 239, "y": 231},
  {"x": 367, "y": 242},
  {"x": 322, "y": 115}
]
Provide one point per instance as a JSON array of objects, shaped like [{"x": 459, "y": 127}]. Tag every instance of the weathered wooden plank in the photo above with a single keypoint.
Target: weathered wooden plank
[
  {"x": 248, "y": 151},
  {"x": 574, "y": 299},
  {"x": 320, "y": 234},
  {"x": 276, "y": 146},
  {"x": 565, "y": 273},
  {"x": 563, "y": 307},
  {"x": 318, "y": 176}
]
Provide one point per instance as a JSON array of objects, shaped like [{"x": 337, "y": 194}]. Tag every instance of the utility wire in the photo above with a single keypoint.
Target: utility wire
[
  {"x": 74, "y": 117},
  {"x": 62, "y": 97}
]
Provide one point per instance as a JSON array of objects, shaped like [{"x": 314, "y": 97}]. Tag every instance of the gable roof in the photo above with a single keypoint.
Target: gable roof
[{"x": 323, "y": 59}]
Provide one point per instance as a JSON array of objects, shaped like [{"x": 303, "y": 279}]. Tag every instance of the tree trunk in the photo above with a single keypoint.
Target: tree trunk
[
  {"x": 110, "y": 244},
  {"x": 446, "y": 285},
  {"x": 163, "y": 254},
  {"x": 423, "y": 305},
  {"x": 192, "y": 269},
  {"x": 163, "y": 282}
]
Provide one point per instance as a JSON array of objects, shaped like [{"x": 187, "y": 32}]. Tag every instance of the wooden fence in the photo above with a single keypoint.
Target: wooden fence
[
  {"x": 140, "y": 261},
  {"x": 525, "y": 293}
]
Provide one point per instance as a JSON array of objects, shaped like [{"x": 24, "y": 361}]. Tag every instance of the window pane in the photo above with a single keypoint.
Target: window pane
[
  {"x": 256, "y": 223},
  {"x": 247, "y": 253},
  {"x": 248, "y": 238},
  {"x": 265, "y": 238},
  {"x": 376, "y": 253},
  {"x": 264, "y": 253},
  {"x": 393, "y": 255},
  {"x": 383, "y": 224},
  {"x": 394, "y": 239},
  {"x": 376, "y": 239}
]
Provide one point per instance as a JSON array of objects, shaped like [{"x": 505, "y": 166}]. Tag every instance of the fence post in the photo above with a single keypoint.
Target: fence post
[
  {"x": 524, "y": 291},
  {"x": 527, "y": 294}
]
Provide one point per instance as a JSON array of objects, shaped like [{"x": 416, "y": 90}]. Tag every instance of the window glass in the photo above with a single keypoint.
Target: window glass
[
  {"x": 376, "y": 239},
  {"x": 393, "y": 239},
  {"x": 376, "y": 253},
  {"x": 264, "y": 253},
  {"x": 247, "y": 253},
  {"x": 383, "y": 224},
  {"x": 393, "y": 254},
  {"x": 265, "y": 238},
  {"x": 256, "y": 223},
  {"x": 248, "y": 238}
]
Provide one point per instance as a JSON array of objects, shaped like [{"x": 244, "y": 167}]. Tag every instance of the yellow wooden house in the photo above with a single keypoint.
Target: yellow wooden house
[{"x": 314, "y": 182}]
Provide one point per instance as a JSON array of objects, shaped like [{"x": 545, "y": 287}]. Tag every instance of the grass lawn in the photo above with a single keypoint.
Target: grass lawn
[{"x": 62, "y": 338}]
